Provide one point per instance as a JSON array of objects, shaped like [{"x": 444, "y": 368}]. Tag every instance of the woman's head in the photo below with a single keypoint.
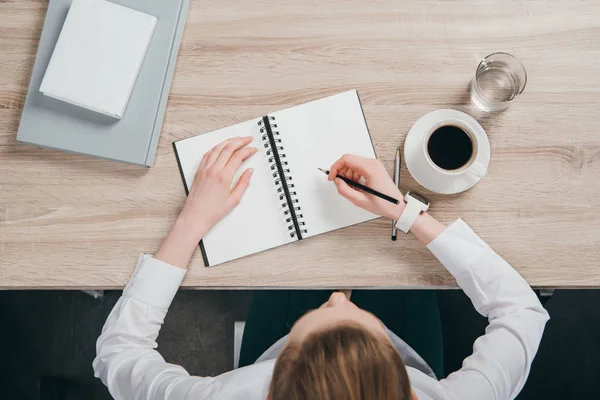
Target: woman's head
[{"x": 339, "y": 351}]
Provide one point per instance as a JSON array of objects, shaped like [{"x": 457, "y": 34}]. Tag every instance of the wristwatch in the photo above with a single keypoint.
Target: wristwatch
[{"x": 415, "y": 205}]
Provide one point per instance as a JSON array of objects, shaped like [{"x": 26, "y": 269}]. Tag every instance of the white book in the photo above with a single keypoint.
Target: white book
[
  {"x": 98, "y": 56},
  {"x": 312, "y": 135}
]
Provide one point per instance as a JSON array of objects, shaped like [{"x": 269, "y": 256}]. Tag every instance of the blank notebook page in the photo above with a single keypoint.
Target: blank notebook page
[
  {"x": 315, "y": 135},
  {"x": 257, "y": 223}
]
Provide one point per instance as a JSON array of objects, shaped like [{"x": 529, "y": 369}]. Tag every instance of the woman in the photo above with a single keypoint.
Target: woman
[{"x": 337, "y": 351}]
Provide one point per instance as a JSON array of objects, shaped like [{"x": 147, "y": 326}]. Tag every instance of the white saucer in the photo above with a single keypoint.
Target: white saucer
[{"x": 420, "y": 166}]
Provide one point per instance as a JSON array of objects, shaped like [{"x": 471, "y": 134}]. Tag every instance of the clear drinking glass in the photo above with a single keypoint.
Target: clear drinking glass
[{"x": 499, "y": 79}]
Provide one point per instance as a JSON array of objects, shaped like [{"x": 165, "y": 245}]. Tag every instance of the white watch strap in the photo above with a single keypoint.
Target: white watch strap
[{"x": 409, "y": 215}]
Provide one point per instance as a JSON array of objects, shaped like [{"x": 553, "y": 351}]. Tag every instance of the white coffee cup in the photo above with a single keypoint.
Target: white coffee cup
[{"x": 429, "y": 174}]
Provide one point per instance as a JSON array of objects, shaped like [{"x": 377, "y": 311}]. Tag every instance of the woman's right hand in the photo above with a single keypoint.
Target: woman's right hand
[{"x": 375, "y": 176}]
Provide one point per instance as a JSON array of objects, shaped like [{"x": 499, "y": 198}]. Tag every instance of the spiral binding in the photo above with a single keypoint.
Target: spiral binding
[{"x": 284, "y": 182}]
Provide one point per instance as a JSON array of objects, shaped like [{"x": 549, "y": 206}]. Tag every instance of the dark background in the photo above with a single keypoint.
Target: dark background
[{"x": 48, "y": 340}]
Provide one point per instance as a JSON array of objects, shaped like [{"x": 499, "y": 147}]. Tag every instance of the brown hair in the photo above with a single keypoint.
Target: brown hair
[{"x": 343, "y": 362}]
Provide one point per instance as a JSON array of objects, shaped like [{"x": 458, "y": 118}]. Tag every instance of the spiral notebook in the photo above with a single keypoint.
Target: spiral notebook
[{"x": 288, "y": 198}]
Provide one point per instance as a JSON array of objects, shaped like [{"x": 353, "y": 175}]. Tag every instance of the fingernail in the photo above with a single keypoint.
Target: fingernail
[
  {"x": 251, "y": 170},
  {"x": 337, "y": 180}
]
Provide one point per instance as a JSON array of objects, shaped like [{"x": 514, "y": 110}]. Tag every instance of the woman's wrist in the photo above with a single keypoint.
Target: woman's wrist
[
  {"x": 426, "y": 228},
  {"x": 395, "y": 210},
  {"x": 189, "y": 229},
  {"x": 196, "y": 226},
  {"x": 181, "y": 241}
]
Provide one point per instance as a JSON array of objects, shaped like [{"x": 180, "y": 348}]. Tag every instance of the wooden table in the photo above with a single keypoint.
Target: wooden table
[{"x": 69, "y": 221}]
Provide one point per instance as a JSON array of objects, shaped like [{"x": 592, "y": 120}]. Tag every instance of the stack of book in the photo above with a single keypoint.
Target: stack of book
[{"x": 102, "y": 76}]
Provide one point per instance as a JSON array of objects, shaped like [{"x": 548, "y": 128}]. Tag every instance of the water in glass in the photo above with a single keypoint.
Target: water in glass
[{"x": 498, "y": 80}]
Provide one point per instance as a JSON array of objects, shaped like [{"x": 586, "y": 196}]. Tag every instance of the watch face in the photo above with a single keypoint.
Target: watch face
[{"x": 417, "y": 196}]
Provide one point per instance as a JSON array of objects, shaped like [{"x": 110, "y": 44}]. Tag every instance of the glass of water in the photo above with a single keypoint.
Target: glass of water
[{"x": 499, "y": 79}]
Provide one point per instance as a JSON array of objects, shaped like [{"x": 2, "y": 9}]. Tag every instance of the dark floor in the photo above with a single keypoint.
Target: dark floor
[{"x": 49, "y": 337}]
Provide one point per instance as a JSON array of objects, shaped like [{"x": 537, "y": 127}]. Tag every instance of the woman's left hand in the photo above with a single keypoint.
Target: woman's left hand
[{"x": 210, "y": 198}]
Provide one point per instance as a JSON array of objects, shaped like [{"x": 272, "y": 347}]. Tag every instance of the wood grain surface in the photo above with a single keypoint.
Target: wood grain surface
[{"x": 69, "y": 221}]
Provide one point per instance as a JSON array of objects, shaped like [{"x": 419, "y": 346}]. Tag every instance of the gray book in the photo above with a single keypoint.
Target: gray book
[{"x": 55, "y": 124}]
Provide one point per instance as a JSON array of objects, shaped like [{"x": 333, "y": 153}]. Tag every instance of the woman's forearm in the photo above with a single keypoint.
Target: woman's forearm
[
  {"x": 427, "y": 228},
  {"x": 181, "y": 241}
]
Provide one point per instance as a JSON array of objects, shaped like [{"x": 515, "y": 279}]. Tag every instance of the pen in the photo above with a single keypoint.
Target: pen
[
  {"x": 397, "y": 181},
  {"x": 363, "y": 188}
]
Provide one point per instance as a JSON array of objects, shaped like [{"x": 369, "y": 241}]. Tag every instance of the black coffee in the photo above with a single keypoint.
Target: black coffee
[{"x": 450, "y": 147}]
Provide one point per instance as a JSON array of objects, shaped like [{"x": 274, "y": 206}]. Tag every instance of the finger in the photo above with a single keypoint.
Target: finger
[
  {"x": 356, "y": 163},
  {"x": 237, "y": 159},
  {"x": 213, "y": 153},
  {"x": 342, "y": 171},
  {"x": 335, "y": 169},
  {"x": 230, "y": 148},
  {"x": 357, "y": 198},
  {"x": 239, "y": 189},
  {"x": 356, "y": 177},
  {"x": 349, "y": 173},
  {"x": 204, "y": 160}
]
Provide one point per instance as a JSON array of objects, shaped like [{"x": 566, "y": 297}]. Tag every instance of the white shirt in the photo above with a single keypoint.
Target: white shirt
[{"x": 129, "y": 365}]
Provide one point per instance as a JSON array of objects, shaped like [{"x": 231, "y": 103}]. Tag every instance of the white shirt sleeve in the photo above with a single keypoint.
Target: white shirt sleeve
[
  {"x": 501, "y": 359},
  {"x": 126, "y": 359}
]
